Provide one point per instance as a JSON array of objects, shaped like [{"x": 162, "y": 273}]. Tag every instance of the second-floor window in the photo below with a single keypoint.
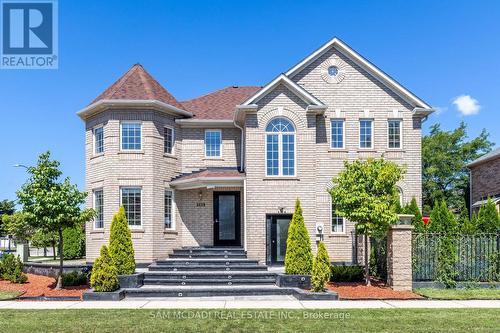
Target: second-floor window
[
  {"x": 131, "y": 136},
  {"x": 213, "y": 140},
  {"x": 337, "y": 133},
  {"x": 366, "y": 133},
  {"x": 280, "y": 148},
  {"x": 394, "y": 133},
  {"x": 98, "y": 140},
  {"x": 99, "y": 209},
  {"x": 168, "y": 138},
  {"x": 131, "y": 201}
]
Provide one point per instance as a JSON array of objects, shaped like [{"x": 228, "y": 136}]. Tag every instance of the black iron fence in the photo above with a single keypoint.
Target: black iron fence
[{"x": 477, "y": 257}]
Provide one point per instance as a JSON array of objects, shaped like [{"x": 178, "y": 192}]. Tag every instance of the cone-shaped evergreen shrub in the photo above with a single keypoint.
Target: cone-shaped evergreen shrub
[
  {"x": 488, "y": 219},
  {"x": 74, "y": 243},
  {"x": 442, "y": 219},
  {"x": 299, "y": 257},
  {"x": 466, "y": 226},
  {"x": 104, "y": 277},
  {"x": 121, "y": 249},
  {"x": 321, "y": 269},
  {"x": 412, "y": 208}
]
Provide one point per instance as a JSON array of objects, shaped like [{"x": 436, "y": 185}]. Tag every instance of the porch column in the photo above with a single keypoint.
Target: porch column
[{"x": 399, "y": 261}]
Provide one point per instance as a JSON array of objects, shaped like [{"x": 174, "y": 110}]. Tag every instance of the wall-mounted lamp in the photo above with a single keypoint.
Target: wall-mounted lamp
[{"x": 200, "y": 195}]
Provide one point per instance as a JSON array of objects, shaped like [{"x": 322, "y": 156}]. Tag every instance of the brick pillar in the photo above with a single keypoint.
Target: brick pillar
[{"x": 399, "y": 263}]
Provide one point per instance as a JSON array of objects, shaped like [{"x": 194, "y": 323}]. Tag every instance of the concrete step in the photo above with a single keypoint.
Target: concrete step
[
  {"x": 210, "y": 275},
  {"x": 209, "y": 255},
  {"x": 209, "y": 267},
  {"x": 207, "y": 281},
  {"x": 209, "y": 251},
  {"x": 206, "y": 262}
]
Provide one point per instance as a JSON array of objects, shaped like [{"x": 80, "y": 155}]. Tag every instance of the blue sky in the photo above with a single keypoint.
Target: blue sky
[{"x": 440, "y": 50}]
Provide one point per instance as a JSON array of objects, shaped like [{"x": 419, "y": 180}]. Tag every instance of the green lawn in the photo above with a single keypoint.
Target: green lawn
[
  {"x": 380, "y": 320},
  {"x": 5, "y": 295},
  {"x": 459, "y": 293}
]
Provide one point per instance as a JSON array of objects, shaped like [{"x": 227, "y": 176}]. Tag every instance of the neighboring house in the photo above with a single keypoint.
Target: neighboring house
[
  {"x": 485, "y": 179},
  {"x": 226, "y": 168}
]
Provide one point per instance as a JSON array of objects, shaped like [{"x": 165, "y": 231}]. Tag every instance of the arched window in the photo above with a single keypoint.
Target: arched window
[
  {"x": 280, "y": 147},
  {"x": 400, "y": 194}
]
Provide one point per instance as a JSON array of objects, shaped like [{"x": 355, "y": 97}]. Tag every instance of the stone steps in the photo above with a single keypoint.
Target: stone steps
[{"x": 208, "y": 281}]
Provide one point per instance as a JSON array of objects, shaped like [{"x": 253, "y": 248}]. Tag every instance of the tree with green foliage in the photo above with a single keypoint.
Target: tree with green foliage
[
  {"x": 74, "y": 242},
  {"x": 416, "y": 221},
  {"x": 488, "y": 220},
  {"x": 121, "y": 248},
  {"x": 365, "y": 193},
  {"x": 7, "y": 207},
  {"x": 17, "y": 225},
  {"x": 299, "y": 256},
  {"x": 442, "y": 219},
  {"x": 44, "y": 239},
  {"x": 466, "y": 226},
  {"x": 445, "y": 155},
  {"x": 321, "y": 271},
  {"x": 52, "y": 205},
  {"x": 104, "y": 277}
]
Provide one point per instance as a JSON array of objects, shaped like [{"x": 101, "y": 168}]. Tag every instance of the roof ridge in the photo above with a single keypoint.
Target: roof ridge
[
  {"x": 145, "y": 78},
  {"x": 218, "y": 90}
]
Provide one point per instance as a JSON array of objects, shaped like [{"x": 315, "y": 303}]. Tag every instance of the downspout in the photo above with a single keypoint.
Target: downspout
[
  {"x": 242, "y": 156},
  {"x": 242, "y": 169}
]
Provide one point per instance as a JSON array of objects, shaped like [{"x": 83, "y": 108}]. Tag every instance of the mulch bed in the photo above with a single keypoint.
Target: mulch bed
[
  {"x": 377, "y": 291},
  {"x": 40, "y": 286}
]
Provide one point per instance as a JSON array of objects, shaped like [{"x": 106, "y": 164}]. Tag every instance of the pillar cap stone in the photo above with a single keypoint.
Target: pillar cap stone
[{"x": 402, "y": 226}]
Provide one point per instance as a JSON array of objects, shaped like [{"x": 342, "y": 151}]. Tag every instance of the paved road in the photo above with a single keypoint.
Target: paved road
[{"x": 249, "y": 302}]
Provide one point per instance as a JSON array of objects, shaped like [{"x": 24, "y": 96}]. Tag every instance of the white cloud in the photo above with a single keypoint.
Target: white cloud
[{"x": 467, "y": 105}]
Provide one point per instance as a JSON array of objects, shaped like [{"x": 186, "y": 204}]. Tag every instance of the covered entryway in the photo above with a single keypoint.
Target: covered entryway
[{"x": 277, "y": 234}]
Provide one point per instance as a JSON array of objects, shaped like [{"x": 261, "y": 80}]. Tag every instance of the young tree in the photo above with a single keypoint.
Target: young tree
[
  {"x": 416, "y": 221},
  {"x": 444, "y": 159},
  {"x": 298, "y": 257},
  {"x": 488, "y": 220},
  {"x": 365, "y": 192},
  {"x": 50, "y": 204},
  {"x": 321, "y": 268},
  {"x": 121, "y": 249}
]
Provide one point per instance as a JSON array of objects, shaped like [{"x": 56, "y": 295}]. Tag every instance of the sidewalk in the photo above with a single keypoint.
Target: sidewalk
[{"x": 273, "y": 302}]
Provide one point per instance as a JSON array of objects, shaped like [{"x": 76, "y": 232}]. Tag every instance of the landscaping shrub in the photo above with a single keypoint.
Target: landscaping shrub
[
  {"x": 11, "y": 269},
  {"x": 74, "y": 279},
  {"x": 416, "y": 221},
  {"x": 321, "y": 268},
  {"x": 347, "y": 273},
  {"x": 488, "y": 219},
  {"x": 104, "y": 277},
  {"x": 74, "y": 243},
  {"x": 121, "y": 249},
  {"x": 299, "y": 257}
]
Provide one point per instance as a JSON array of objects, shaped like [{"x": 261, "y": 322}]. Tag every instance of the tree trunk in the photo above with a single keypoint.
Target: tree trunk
[
  {"x": 367, "y": 262},
  {"x": 54, "y": 250},
  {"x": 59, "y": 277}
]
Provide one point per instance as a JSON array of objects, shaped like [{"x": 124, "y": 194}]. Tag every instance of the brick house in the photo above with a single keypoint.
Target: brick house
[
  {"x": 485, "y": 179},
  {"x": 224, "y": 169}
]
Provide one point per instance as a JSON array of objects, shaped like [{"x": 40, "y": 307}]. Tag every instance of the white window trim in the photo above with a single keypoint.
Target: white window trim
[
  {"x": 400, "y": 133},
  {"x": 173, "y": 227},
  {"x": 343, "y": 133},
  {"x": 280, "y": 154},
  {"x": 94, "y": 141},
  {"x": 205, "y": 146},
  {"x": 372, "y": 122},
  {"x": 121, "y": 135},
  {"x": 139, "y": 187},
  {"x": 94, "y": 207},
  {"x": 331, "y": 222},
  {"x": 173, "y": 140}
]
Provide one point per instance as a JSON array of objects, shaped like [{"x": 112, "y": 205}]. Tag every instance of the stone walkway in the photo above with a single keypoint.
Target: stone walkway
[{"x": 249, "y": 302}]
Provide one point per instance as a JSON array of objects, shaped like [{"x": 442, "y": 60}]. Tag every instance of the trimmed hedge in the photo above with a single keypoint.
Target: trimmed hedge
[
  {"x": 347, "y": 274},
  {"x": 74, "y": 243},
  {"x": 299, "y": 257},
  {"x": 121, "y": 249},
  {"x": 74, "y": 279}
]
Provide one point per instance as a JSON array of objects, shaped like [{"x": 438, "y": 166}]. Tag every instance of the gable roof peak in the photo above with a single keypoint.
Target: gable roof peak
[{"x": 137, "y": 84}]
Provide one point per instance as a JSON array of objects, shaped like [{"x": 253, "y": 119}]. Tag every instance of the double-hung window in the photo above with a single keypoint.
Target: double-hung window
[
  {"x": 337, "y": 134},
  {"x": 169, "y": 209},
  {"x": 213, "y": 140},
  {"x": 131, "y": 136},
  {"x": 131, "y": 201},
  {"x": 99, "y": 209},
  {"x": 394, "y": 133},
  {"x": 366, "y": 133},
  {"x": 338, "y": 222},
  {"x": 280, "y": 148},
  {"x": 168, "y": 138},
  {"x": 98, "y": 140}
]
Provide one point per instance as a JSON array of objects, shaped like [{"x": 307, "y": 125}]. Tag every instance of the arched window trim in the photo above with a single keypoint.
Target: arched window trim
[{"x": 274, "y": 131}]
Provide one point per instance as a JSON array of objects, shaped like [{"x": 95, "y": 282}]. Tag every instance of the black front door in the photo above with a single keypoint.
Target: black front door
[
  {"x": 277, "y": 234},
  {"x": 227, "y": 219}
]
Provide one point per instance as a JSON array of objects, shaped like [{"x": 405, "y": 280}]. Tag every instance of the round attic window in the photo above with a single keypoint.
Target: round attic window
[{"x": 333, "y": 70}]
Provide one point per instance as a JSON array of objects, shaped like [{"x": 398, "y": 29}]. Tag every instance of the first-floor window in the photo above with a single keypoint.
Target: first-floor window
[
  {"x": 131, "y": 201},
  {"x": 99, "y": 209},
  {"x": 338, "y": 222},
  {"x": 169, "y": 210}
]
